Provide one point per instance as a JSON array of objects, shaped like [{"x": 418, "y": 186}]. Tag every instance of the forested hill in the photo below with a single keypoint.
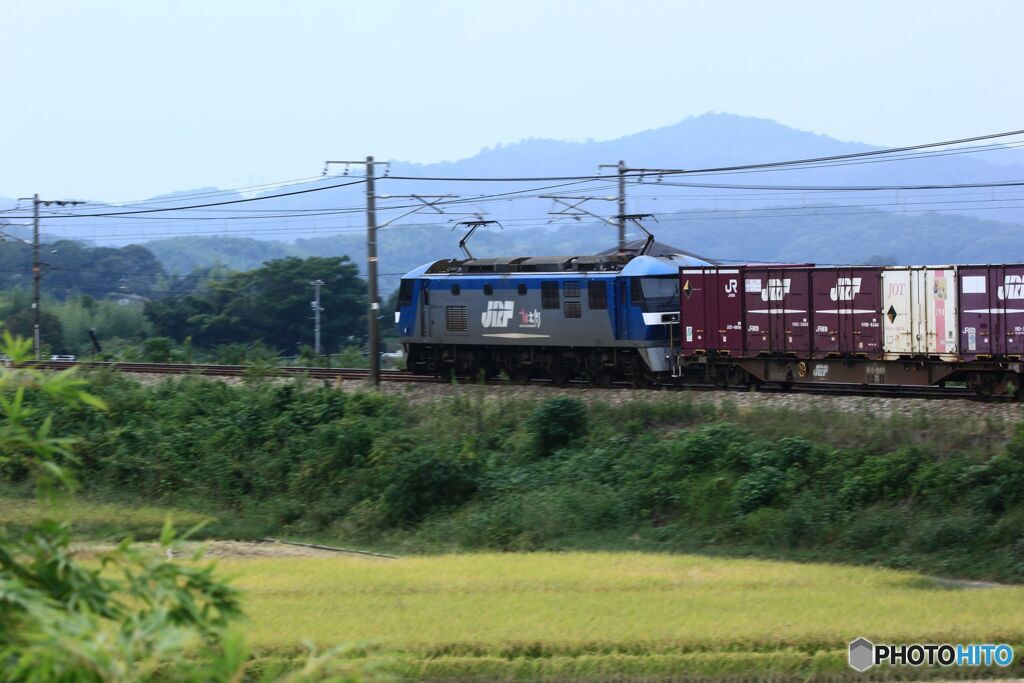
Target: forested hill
[{"x": 804, "y": 235}]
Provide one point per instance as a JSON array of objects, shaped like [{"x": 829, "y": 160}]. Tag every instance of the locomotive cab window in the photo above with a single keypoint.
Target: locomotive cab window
[
  {"x": 597, "y": 295},
  {"x": 656, "y": 294},
  {"x": 549, "y": 297},
  {"x": 405, "y": 293},
  {"x": 521, "y": 289},
  {"x": 456, "y": 290},
  {"x": 488, "y": 290}
]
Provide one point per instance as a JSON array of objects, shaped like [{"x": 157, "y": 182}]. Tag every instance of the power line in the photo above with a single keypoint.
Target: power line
[
  {"x": 835, "y": 164},
  {"x": 533, "y": 222},
  {"x": 201, "y": 206},
  {"x": 842, "y": 188},
  {"x": 213, "y": 192},
  {"x": 467, "y": 200}
]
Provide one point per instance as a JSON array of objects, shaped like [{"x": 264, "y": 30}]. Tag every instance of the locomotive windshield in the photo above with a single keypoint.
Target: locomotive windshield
[
  {"x": 656, "y": 294},
  {"x": 405, "y": 293}
]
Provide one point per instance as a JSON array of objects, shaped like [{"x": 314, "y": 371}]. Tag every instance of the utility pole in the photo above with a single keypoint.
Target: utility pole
[
  {"x": 37, "y": 276},
  {"x": 373, "y": 314},
  {"x": 622, "y": 207},
  {"x": 425, "y": 202},
  {"x": 317, "y": 308},
  {"x": 622, "y": 170},
  {"x": 37, "y": 267},
  {"x": 371, "y": 272}
]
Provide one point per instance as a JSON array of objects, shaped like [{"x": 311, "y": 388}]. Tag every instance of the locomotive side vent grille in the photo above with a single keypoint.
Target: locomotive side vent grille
[
  {"x": 571, "y": 289},
  {"x": 572, "y": 309},
  {"x": 456, "y": 319}
]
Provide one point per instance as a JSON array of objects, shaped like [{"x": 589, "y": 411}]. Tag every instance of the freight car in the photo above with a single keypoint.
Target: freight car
[
  {"x": 673, "y": 318},
  {"x": 892, "y": 326},
  {"x": 603, "y": 318}
]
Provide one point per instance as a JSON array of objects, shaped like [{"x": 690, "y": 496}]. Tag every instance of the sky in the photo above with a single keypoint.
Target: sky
[{"x": 119, "y": 100}]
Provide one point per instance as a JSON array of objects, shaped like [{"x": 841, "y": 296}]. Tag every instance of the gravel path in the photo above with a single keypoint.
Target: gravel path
[
  {"x": 226, "y": 549},
  {"x": 872, "y": 405}
]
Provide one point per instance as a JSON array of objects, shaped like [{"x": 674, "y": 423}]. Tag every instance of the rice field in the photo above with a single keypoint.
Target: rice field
[
  {"x": 91, "y": 519},
  {"x": 596, "y": 615}
]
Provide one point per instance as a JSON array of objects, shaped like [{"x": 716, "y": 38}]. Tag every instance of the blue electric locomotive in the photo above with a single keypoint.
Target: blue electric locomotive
[{"x": 602, "y": 318}]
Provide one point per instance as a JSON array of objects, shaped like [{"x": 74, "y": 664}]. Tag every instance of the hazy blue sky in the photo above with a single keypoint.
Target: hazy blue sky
[{"x": 119, "y": 100}]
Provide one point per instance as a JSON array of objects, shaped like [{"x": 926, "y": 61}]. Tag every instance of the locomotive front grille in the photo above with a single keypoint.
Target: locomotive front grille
[{"x": 456, "y": 319}]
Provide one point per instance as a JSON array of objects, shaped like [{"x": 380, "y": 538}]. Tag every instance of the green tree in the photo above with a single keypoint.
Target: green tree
[
  {"x": 63, "y": 620},
  {"x": 157, "y": 349},
  {"x": 270, "y": 304},
  {"x": 73, "y": 268},
  {"x": 21, "y": 324}
]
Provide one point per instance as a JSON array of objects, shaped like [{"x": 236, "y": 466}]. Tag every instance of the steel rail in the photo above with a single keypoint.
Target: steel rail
[{"x": 336, "y": 374}]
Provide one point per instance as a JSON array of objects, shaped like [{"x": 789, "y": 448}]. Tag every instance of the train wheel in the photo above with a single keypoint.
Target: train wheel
[
  {"x": 520, "y": 375},
  {"x": 602, "y": 377},
  {"x": 559, "y": 375},
  {"x": 641, "y": 380}
]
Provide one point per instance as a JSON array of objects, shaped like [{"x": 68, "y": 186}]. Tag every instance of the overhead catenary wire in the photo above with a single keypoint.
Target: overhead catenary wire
[
  {"x": 947, "y": 199},
  {"x": 463, "y": 200},
  {"x": 726, "y": 214}
]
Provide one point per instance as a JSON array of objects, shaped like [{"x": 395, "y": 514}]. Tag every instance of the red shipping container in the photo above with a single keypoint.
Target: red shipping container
[
  {"x": 991, "y": 310},
  {"x": 847, "y": 312},
  {"x": 711, "y": 314},
  {"x": 777, "y": 311}
]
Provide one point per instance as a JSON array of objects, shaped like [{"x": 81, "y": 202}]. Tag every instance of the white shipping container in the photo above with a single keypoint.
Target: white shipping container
[{"x": 919, "y": 312}]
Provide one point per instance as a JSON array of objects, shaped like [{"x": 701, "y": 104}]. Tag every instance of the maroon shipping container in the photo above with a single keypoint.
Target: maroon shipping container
[
  {"x": 991, "y": 300},
  {"x": 847, "y": 312},
  {"x": 711, "y": 314},
  {"x": 777, "y": 311}
]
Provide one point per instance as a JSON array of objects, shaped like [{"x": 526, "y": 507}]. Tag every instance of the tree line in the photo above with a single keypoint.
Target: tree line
[{"x": 137, "y": 309}]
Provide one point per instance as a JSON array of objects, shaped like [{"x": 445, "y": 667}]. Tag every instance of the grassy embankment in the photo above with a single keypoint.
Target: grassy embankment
[{"x": 480, "y": 471}]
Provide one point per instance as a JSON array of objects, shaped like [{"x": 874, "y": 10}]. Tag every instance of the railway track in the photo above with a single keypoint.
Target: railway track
[
  {"x": 212, "y": 370},
  {"x": 215, "y": 370}
]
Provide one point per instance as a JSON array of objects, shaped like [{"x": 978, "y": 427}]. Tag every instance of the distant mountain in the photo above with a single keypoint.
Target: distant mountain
[
  {"x": 181, "y": 255},
  {"x": 330, "y": 218}
]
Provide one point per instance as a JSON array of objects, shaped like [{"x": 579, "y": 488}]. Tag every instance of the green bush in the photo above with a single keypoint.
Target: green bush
[
  {"x": 556, "y": 423},
  {"x": 757, "y": 489},
  {"x": 419, "y": 479}
]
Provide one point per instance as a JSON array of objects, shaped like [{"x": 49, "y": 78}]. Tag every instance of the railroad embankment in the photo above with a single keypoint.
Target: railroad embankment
[{"x": 433, "y": 468}]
